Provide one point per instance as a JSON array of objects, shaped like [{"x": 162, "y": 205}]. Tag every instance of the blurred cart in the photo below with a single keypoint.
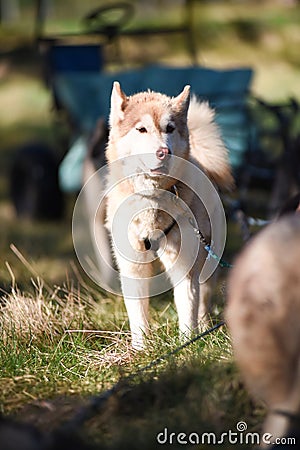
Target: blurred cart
[{"x": 75, "y": 72}]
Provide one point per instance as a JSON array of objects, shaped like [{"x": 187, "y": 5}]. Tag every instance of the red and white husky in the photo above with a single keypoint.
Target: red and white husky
[{"x": 157, "y": 138}]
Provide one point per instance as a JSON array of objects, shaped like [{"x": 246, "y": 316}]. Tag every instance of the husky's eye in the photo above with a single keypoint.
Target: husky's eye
[
  {"x": 170, "y": 128},
  {"x": 142, "y": 130}
]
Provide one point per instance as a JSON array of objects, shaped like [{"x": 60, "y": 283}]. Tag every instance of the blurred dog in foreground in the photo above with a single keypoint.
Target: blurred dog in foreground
[{"x": 263, "y": 315}]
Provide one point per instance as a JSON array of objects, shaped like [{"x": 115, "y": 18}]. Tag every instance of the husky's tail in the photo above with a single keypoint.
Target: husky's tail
[{"x": 206, "y": 144}]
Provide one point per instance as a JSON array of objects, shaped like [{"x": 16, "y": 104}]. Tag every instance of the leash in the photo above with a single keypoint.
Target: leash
[
  {"x": 98, "y": 402},
  {"x": 221, "y": 261},
  {"x": 207, "y": 247}
]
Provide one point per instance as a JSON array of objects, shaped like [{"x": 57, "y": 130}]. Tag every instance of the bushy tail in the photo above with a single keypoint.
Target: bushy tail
[{"x": 206, "y": 144}]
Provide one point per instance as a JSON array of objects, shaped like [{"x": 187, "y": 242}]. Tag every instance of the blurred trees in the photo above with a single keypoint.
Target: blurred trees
[{"x": 9, "y": 11}]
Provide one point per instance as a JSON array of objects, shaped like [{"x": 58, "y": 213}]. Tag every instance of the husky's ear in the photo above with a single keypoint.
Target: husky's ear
[
  {"x": 118, "y": 102},
  {"x": 182, "y": 101}
]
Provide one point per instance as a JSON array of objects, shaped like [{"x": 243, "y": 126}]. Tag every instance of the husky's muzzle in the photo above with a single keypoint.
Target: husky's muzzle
[{"x": 162, "y": 152}]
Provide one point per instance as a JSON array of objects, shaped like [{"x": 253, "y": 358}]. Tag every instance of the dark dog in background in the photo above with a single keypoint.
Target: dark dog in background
[{"x": 34, "y": 186}]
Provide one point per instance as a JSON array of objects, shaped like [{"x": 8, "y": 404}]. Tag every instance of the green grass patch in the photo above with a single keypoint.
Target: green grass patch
[{"x": 62, "y": 346}]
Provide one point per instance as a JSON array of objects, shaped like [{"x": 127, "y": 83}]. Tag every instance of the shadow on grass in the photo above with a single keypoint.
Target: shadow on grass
[{"x": 194, "y": 399}]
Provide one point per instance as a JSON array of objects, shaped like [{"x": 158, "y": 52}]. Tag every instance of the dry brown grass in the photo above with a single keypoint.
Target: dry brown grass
[{"x": 40, "y": 314}]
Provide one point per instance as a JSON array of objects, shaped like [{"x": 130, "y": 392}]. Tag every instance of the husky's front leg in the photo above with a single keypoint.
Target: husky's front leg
[
  {"x": 185, "y": 284},
  {"x": 205, "y": 306},
  {"x": 137, "y": 311},
  {"x": 186, "y": 297},
  {"x": 135, "y": 287}
]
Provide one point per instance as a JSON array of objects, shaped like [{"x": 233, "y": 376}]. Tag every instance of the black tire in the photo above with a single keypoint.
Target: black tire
[
  {"x": 34, "y": 186},
  {"x": 103, "y": 19}
]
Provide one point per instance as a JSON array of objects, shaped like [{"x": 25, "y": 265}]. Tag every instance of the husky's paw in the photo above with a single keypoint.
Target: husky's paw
[
  {"x": 139, "y": 338},
  {"x": 187, "y": 334},
  {"x": 138, "y": 344}
]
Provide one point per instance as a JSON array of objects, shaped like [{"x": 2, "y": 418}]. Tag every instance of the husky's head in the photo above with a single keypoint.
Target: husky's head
[{"x": 148, "y": 128}]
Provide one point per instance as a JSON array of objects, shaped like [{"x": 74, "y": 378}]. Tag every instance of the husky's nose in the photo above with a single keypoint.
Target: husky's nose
[{"x": 162, "y": 152}]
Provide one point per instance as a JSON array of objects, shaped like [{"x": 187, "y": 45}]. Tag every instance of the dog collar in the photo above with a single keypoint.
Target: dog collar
[{"x": 154, "y": 243}]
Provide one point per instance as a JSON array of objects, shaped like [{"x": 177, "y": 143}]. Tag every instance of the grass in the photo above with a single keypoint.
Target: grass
[
  {"x": 61, "y": 339},
  {"x": 53, "y": 353},
  {"x": 61, "y": 345},
  {"x": 42, "y": 340}
]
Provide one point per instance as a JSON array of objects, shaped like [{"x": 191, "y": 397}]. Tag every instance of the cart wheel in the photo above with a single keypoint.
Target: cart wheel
[
  {"x": 34, "y": 184},
  {"x": 109, "y": 19}
]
